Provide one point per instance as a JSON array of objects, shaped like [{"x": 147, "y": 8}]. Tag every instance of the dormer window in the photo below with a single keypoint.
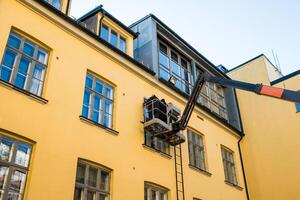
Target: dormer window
[
  {"x": 55, "y": 3},
  {"x": 111, "y": 36}
]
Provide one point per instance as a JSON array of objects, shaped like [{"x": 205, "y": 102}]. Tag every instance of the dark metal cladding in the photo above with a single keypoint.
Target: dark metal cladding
[{"x": 290, "y": 95}]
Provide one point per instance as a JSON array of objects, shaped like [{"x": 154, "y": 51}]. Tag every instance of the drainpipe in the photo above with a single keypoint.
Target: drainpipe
[
  {"x": 243, "y": 169},
  {"x": 100, "y": 21}
]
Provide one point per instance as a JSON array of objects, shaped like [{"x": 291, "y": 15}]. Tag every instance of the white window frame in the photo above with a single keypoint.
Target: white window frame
[{"x": 119, "y": 36}]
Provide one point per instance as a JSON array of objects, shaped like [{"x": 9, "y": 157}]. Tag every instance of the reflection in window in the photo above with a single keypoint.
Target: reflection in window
[
  {"x": 24, "y": 64},
  {"x": 98, "y": 101},
  {"x": 15, "y": 156},
  {"x": 113, "y": 38},
  {"x": 92, "y": 181}
]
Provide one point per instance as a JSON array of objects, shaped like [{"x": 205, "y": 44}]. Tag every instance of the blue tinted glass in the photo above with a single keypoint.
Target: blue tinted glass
[
  {"x": 104, "y": 33},
  {"x": 164, "y": 74},
  {"x": 38, "y": 72},
  {"x": 20, "y": 81},
  {"x": 298, "y": 107},
  {"x": 175, "y": 68},
  {"x": 86, "y": 98},
  {"x": 108, "y": 107},
  {"x": 13, "y": 41},
  {"x": 97, "y": 101},
  {"x": 96, "y": 116},
  {"x": 9, "y": 58},
  {"x": 56, "y": 4},
  {"x": 109, "y": 92},
  {"x": 163, "y": 60},
  {"x": 122, "y": 44},
  {"x": 89, "y": 81},
  {"x": 5, "y": 74},
  {"x": 113, "y": 38},
  {"x": 85, "y": 111},
  {"x": 24, "y": 65},
  {"x": 99, "y": 86},
  {"x": 28, "y": 49},
  {"x": 107, "y": 120}
]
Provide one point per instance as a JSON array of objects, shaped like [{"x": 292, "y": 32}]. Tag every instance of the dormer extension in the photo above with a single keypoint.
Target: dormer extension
[{"x": 109, "y": 29}]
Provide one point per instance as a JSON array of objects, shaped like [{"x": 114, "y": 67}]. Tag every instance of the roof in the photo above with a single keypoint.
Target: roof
[
  {"x": 181, "y": 40},
  {"x": 107, "y": 14},
  {"x": 295, "y": 73}
]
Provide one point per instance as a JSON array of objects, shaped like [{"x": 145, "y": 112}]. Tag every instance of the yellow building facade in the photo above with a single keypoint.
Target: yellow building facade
[
  {"x": 271, "y": 143},
  {"x": 55, "y": 143}
]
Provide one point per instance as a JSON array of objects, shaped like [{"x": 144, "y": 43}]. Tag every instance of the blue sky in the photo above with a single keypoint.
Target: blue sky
[{"x": 226, "y": 32}]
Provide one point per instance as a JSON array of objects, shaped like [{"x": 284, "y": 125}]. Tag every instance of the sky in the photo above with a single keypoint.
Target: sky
[{"x": 227, "y": 32}]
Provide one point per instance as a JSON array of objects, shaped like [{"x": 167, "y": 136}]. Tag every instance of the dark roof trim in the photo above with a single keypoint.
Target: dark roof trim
[
  {"x": 90, "y": 33},
  {"x": 248, "y": 61},
  {"x": 182, "y": 40},
  {"x": 100, "y": 9},
  {"x": 295, "y": 73}
]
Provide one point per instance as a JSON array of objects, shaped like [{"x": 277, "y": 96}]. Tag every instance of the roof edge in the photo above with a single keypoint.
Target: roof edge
[
  {"x": 295, "y": 73},
  {"x": 107, "y": 14}
]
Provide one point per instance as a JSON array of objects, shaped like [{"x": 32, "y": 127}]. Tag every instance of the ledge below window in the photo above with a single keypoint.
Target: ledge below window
[
  {"x": 157, "y": 151},
  {"x": 29, "y": 94},
  {"x": 233, "y": 185},
  {"x": 200, "y": 170},
  {"x": 91, "y": 122}
]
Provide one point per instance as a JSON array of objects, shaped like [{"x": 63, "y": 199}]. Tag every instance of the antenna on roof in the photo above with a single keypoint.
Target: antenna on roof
[{"x": 276, "y": 61}]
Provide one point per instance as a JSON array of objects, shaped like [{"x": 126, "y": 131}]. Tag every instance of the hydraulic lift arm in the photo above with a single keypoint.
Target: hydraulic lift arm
[{"x": 256, "y": 88}]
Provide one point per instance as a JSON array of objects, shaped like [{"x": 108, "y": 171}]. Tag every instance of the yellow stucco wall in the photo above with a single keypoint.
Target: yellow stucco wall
[
  {"x": 271, "y": 146},
  {"x": 60, "y": 137}
]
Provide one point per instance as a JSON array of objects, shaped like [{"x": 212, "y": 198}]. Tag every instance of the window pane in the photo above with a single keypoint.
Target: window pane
[
  {"x": 13, "y": 196},
  {"x": 28, "y": 49},
  {"x": 108, "y": 107},
  {"x": 104, "y": 181},
  {"x": 103, "y": 197},
  {"x": 113, "y": 38},
  {"x": 164, "y": 74},
  {"x": 3, "y": 177},
  {"x": 92, "y": 180},
  {"x": 22, "y": 156},
  {"x": 90, "y": 195},
  {"x": 78, "y": 194},
  {"x": 42, "y": 57},
  {"x": 14, "y": 41},
  {"x": 298, "y": 107},
  {"x": 163, "y": 48},
  {"x": 97, "y": 102},
  {"x": 8, "y": 62},
  {"x": 37, "y": 79},
  {"x": 99, "y": 86},
  {"x": 107, "y": 120},
  {"x": 89, "y": 81},
  {"x": 22, "y": 72},
  {"x": 175, "y": 68},
  {"x": 104, "y": 32},
  {"x": 163, "y": 60},
  {"x": 6, "y": 149},
  {"x": 109, "y": 92},
  {"x": 17, "y": 182},
  {"x": 56, "y": 4},
  {"x": 122, "y": 44},
  {"x": 80, "y": 174}
]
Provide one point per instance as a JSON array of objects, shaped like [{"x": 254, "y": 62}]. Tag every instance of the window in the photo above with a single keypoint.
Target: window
[
  {"x": 156, "y": 143},
  {"x": 153, "y": 192},
  {"x": 92, "y": 182},
  {"x": 297, "y": 107},
  {"x": 24, "y": 64},
  {"x": 212, "y": 96},
  {"x": 54, "y": 3},
  {"x": 171, "y": 63},
  {"x": 98, "y": 101},
  {"x": 113, "y": 38},
  {"x": 14, "y": 162},
  {"x": 196, "y": 150},
  {"x": 229, "y": 167}
]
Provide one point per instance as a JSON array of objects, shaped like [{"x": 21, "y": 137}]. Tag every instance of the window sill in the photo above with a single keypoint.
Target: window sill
[
  {"x": 233, "y": 185},
  {"x": 200, "y": 170},
  {"x": 29, "y": 94},
  {"x": 91, "y": 122},
  {"x": 157, "y": 151}
]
